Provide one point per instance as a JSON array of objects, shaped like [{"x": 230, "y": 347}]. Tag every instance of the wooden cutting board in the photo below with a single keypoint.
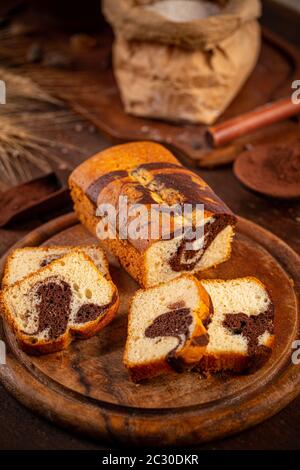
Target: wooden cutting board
[{"x": 87, "y": 389}]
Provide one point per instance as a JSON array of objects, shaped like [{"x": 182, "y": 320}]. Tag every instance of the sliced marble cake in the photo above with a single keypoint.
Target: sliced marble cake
[
  {"x": 241, "y": 329},
  {"x": 207, "y": 325},
  {"x": 24, "y": 261},
  {"x": 67, "y": 298},
  {"x": 166, "y": 328}
]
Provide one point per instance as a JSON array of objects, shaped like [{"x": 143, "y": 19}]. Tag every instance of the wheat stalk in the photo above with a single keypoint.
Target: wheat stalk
[
  {"x": 29, "y": 106},
  {"x": 19, "y": 149},
  {"x": 25, "y": 88}
]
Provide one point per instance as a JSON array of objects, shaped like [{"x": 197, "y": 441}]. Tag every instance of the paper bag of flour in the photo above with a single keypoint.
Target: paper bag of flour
[{"x": 182, "y": 60}]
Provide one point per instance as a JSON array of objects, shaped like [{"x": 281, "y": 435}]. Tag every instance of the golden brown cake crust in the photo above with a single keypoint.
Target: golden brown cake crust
[
  {"x": 64, "y": 341},
  {"x": 127, "y": 170},
  {"x": 147, "y": 371},
  {"x": 53, "y": 345}
]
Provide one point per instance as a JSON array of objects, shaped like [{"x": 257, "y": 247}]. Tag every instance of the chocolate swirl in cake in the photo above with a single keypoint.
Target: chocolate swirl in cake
[
  {"x": 172, "y": 188},
  {"x": 54, "y": 307},
  {"x": 95, "y": 188},
  {"x": 100, "y": 183},
  {"x": 90, "y": 312},
  {"x": 186, "y": 260},
  {"x": 175, "y": 323},
  {"x": 251, "y": 327},
  {"x": 176, "y": 187},
  {"x": 201, "y": 340},
  {"x": 157, "y": 166}
]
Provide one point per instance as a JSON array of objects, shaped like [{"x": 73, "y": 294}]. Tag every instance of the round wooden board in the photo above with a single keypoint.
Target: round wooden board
[{"x": 87, "y": 389}]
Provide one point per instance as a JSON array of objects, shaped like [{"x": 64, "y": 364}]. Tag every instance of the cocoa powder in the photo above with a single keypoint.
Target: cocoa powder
[
  {"x": 284, "y": 162},
  {"x": 272, "y": 170}
]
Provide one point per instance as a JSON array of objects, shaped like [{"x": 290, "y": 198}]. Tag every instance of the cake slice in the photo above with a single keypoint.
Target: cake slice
[
  {"x": 68, "y": 298},
  {"x": 241, "y": 329},
  {"x": 166, "y": 328},
  {"x": 24, "y": 261}
]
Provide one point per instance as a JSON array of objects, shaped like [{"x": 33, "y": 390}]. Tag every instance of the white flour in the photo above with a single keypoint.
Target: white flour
[{"x": 184, "y": 10}]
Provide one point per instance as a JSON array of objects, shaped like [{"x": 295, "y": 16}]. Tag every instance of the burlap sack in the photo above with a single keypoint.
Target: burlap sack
[{"x": 173, "y": 82}]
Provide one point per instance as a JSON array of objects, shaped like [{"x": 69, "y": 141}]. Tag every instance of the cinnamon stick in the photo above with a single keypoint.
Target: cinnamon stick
[{"x": 227, "y": 131}]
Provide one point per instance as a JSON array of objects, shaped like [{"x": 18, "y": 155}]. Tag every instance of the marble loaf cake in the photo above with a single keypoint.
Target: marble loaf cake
[
  {"x": 149, "y": 175},
  {"x": 241, "y": 329},
  {"x": 69, "y": 298},
  {"x": 205, "y": 325},
  {"x": 167, "y": 328}
]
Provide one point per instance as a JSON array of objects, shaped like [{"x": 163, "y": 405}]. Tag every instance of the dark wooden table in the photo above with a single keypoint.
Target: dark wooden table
[{"x": 21, "y": 429}]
